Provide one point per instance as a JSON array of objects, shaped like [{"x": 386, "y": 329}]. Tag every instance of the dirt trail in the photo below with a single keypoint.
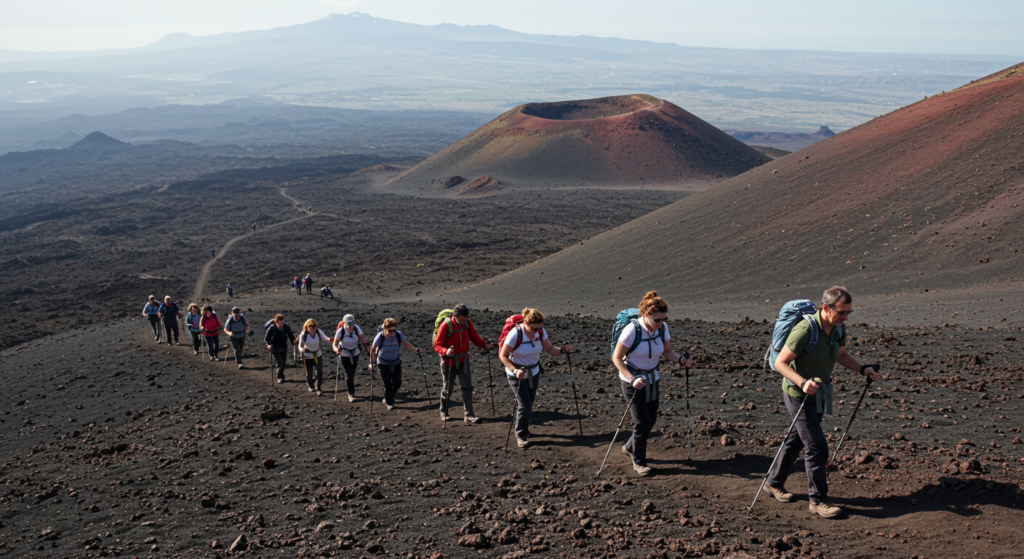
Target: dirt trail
[{"x": 197, "y": 292}]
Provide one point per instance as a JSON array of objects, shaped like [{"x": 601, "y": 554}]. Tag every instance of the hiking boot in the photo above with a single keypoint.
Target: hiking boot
[
  {"x": 319, "y": 392},
  {"x": 471, "y": 419},
  {"x": 824, "y": 509},
  {"x": 390, "y": 406},
  {"x": 159, "y": 341},
  {"x": 642, "y": 470},
  {"x": 195, "y": 352},
  {"x": 240, "y": 366},
  {"x": 310, "y": 387},
  {"x": 351, "y": 398},
  {"x": 779, "y": 493},
  {"x": 445, "y": 417},
  {"x": 280, "y": 380},
  {"x": 522, "y": 442}
]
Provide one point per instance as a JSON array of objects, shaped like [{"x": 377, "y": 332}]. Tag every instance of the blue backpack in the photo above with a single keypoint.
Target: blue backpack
[
  {"x": 789, "y": 316},
  {"x": 625, "y": 318}
]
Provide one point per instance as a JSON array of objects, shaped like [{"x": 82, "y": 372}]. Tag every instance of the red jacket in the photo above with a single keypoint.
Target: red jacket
[
  {"x": 211, "y": 325},
  {"x": 459, "y": 339}
]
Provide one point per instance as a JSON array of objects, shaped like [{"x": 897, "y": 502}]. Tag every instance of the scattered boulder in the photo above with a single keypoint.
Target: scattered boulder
[
  {"x": 476, "y": 541},
  {"x": 647, "y": 507},
  {"x": 241, "y": 544},
  {"x": 324, "y": 526},
  {"x": 887, "y": 462},
  {"x": 863, "y": 458},
  {"x": 727, "y": 440},
  {"x": 971, "y": 466},
  {"x": 269, "y": 463},
  {"x": 273, "y": 414}
]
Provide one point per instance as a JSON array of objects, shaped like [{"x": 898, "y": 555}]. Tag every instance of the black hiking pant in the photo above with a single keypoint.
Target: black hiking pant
[
  {"x": 238, "y": 344},
  {"x": 645, "y": 414},
  {"x": 809, "y": 437},
  {"x": 154, "y": 322},
  {"x": 280, "y": 355},
  {"x": 349, "y": 364},
  {"x": 197, "y": 340},
  {"x": 309, "y": 289},
  {"x": 314, "y": 371},
  {"x": 171, "y": 326},
  {"x": 526, "y": 393},
  {"x": 391, "y": 376},
  {"x": 213, "y": 345}
]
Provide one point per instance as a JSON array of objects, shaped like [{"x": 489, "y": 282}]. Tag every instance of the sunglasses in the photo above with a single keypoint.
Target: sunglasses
[
  {"x": 657, "y": 320},
  {"x": 842, "y": 313}
]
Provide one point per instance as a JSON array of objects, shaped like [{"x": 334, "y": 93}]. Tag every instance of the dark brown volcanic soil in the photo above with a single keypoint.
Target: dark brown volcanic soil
[
  {"x": 115, "y": 446},
  {"x": 627, "y": 141},
  {"x": 909, "y": 207}
]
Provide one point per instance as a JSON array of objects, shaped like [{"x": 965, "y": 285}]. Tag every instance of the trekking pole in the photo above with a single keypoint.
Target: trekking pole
[
  {"x": 616, "y": 435},
  {"x": 369, "y": 368},
  {"x": 448, "y": 398},
  {"x": 272, "y": 383},
  {"x": 337, "y": 376},
  {"x": 512, "y": 421},
  {"x": 831, "y": 463},
  {"x": 750, "y": 509},
  {"x": 491, "y": 377},
  {"x": 423, "y": 370},
  {"x": 689, "y": 416},
  {"x": 572, "y": 379}
]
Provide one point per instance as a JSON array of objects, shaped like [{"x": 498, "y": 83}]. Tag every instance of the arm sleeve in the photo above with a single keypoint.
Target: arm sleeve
[
  {"x": 268, "y": 337},
  {"x": 288, "y": 332},
  {"x": 510, "y": 339},
  {"x": 627, "y": 335},
  {"x": 377, "y": 340},
  {"x": 442, "y": 333},
  {"x": 798, "y": 338},
  {"x": 476, "y": 339}
]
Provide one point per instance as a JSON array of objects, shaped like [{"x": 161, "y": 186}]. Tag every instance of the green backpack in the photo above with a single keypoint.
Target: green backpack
[{"x": 443, "y": 316}]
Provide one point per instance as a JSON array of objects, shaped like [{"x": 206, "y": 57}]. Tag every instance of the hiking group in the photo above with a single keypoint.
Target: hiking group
[{"x": 807, "y": 343}]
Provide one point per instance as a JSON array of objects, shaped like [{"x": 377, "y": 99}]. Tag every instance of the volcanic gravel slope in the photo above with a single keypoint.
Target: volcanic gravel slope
[
  {"x": 116, "y": 446},
  {"x": 928, "y": 198},
  {"x": 625, "y": 141}
]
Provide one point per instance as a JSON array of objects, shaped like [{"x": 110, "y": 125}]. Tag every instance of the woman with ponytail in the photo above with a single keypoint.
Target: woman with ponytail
[
  {"x": 637, "y": 353},
  {"x": 520, "y": 352}
]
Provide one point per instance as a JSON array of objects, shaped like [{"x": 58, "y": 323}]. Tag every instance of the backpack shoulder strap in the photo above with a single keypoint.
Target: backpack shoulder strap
[
  {"x": 637, "y": 336},
  {"x": 814, "y": 333},
  {"x": 520, "y": 334}
]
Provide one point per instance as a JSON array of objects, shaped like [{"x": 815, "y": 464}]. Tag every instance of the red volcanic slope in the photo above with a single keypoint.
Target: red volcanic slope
[
  {"x": 630, "y": 140},
  {"x": 929, "y": 196}
]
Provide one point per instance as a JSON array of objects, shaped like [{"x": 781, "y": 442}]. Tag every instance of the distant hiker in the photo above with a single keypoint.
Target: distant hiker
[
  {"x": 813, "y": 361},
  {"x": 231, "y": 291},
  {"x": 152, "y": 312},
  {"x": 308, "y": 282},
  {"x": 195, "y": 332},
  {"x": 213, "y": 253},
  {"x": 347, "y": 341},
  {"x": 237, "y": 327},
  {"x": 312, "y": 354},
  {"x": 385, "y": 351},
  {"x": 253, "y": 227},
  {"x": 297, "y": 284},
  {"x": 211, "y": 325},
  {"x": 169, "y": 314},
  {"x": 325, "y": 291},
  {"x": 311, "y": 209},
  {"x": 519, "y": 350},
  {"x": 638, "y": 349},
  {"x": 454, "y": 334},
  {"x": 278, "y": 335}
]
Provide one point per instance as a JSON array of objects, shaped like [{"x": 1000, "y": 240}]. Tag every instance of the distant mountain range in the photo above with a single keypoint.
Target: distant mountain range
[
  {"x": 783, "y": 140},
  {"x": 360, "y": 62}
]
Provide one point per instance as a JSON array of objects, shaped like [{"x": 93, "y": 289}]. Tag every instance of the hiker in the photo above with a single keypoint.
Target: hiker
[
  {"x": 325, "y": 291},
  {"x": 152, "y": 312},
  {"x": 253, "y": 227},
  {"x": 213, "y": 253},
  {"x": 312, "y": 354},
  {"x": 169, "y": 314},
  {"x": 799, "y": 362},
  {"x": 297, "y": 284},
  {"x": 195, "y": 333},
  {"x": 231, "y": 291},
  {"x": 385, "y": 351},
  {"x": 520, "y": 352},
  {"x": 347, "y": 341},
  {"x": 308, "y": 282},
  {"x": 451, "y": 341},
  {"x": 277, "y": 337},
  {"x": 237, "y": 327},
  {"x": 638, "y": 350},
  {"x": 211, "y": 325}
]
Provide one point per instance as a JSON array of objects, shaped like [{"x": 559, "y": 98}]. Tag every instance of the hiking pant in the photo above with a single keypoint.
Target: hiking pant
[
  {"x": 309, "y": 289},
  {"x": 238, "y": 344},
  {"x": 213, "y": 344},
  {"x": 526, "y": 393},
  {"x": 465, "y": 374},
  {"x": 349, "y": 364},
  {"x": 391, "y": 376},
  {"x": 197, "y": 339},
  {"x": 809, "y": 437},
  {"x": 645, "y": 414},
  {"x": 169, "y": 327},
  {"x": 314, "y": 371},
  {"x": 154, "y": 321},
  {"x": 280, "y": 355}
]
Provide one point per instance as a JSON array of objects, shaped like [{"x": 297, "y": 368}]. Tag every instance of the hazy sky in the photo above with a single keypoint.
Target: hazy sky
[{"x": 923, "y": 26}]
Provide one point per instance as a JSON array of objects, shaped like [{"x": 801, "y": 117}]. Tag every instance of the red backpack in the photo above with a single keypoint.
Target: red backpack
[{"x": 515, "y": 321}]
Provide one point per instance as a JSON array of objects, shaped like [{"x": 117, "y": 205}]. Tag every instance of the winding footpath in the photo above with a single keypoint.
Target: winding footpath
[{"x": 204, "y": 274}]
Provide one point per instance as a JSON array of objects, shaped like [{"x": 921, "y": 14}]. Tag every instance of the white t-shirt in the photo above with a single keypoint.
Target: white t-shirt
[
  {"x": 349, "y": 341},
  {"x": 312, "y": 342},
  {"x": 527, "y": 353},
  {"x": 648, "y": 353}
]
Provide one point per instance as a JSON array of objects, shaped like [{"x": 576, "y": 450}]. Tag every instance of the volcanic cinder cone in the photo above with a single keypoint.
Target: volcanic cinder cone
[
  {"x": 626, "y": 141},
  {"x": 928, "y": 197}
]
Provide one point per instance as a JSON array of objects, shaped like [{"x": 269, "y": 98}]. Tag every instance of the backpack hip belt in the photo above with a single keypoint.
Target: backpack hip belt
[
  {"x": 822, "y": 398},
  {"x": 650, "y": 383}
]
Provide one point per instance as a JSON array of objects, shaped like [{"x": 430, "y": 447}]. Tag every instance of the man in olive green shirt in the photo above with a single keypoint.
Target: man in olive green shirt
[{"x": 799, "y": 366}]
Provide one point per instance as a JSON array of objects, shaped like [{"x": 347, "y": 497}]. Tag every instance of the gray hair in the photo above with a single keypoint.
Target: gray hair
[{"x": 835, "y": 295}]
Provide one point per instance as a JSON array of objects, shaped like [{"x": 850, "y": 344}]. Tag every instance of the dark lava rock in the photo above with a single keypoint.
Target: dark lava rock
[
  {"x": 647, "y": 507},
  {"x": 476, "y": 541},
  {"x": 727, "y": 440},
  {"x": 863, "y": 458},
  {"x": 216, "y": 544},
  {"x": 971, "y": 466},
  {"x": 241, "y": 544},
  {"x": 269, "y": 463},
  {"x": 887, "y": 462},
  {"x": 273, "y": 414}
]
